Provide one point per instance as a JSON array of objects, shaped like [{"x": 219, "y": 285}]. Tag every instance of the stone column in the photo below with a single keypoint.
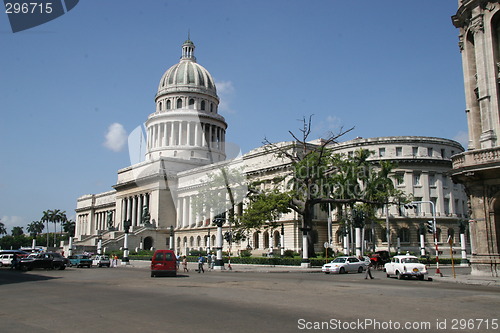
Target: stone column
[
  {"x": 186, "y": 212},
  {"x": 140, "y": 208},
  {"x": 179, "y": 213},
  {"x": 171, "y": 135},
  {"x": 179, "y": 133}
]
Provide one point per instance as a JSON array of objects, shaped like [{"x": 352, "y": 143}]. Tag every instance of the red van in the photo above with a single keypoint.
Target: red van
[{"x": 163, "y": 262}]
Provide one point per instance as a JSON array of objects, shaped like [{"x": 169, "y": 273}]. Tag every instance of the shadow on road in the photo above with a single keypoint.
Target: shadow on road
[{"x": 8, "y": 276}]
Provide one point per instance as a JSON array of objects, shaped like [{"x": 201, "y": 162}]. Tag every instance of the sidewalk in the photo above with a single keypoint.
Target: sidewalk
[{"x": 447, "y": 276}]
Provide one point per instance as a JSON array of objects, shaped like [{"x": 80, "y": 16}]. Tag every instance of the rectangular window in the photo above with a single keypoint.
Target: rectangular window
[
  {"x": 414, "y": 151},
  {"x": 443, "y": 153},
  {"x": 399, "y": 151},
  {"x": 400, "y": 178},
  {"x": 381, "y": 152},
  {"x": 416, "y": 179},
  {"x": 446, "y": 206},
  {"x": 432, "y": 179},
  {"x": 430, "y": 151}
]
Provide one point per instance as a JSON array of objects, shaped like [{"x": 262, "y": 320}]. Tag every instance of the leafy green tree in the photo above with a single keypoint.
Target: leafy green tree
[
  {"x": 69, "y": 227},
  {"x": 47, "y": 217},
  {"x": 17, "y": 231},
  {"x": 3, "y": 230},
  {"x": 35, "y": 228},
  {"x": 316, "y": 176}
]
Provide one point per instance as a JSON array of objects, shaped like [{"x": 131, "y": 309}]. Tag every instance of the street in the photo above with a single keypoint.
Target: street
[{"x": 127, "y": 299}]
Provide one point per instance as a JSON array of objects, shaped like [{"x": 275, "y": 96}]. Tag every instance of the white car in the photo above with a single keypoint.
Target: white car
[
  {"x": 100, "y": 261},
  {"x": 6, "y": 259},
  {"x": 405, "y": 266},
  {"x": 343, "y": 265}
]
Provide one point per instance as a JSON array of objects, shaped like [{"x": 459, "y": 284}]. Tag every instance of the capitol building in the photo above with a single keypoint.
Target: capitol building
[{"x": 186, "y": 143}]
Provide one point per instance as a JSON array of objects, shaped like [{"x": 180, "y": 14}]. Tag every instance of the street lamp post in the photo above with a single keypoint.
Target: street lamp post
[
  {"x": 208, "y": 241},
  {"x": 99, "y": 242},
  {"x": 219, "y": 263},
  {"x": 126, "y": 226},
  {"x": 282, "y": 240}
]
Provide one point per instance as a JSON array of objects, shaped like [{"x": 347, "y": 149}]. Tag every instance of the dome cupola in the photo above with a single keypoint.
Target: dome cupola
[{"x": 187, "y": 75}]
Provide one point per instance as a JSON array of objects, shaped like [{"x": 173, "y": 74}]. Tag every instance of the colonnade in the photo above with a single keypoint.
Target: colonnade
[
  {"x": 82, "y": 224},
  {"x": 186, "y": 133},
  {"x": 188, "y": 218},
  {"x": 133, "y": 208}
]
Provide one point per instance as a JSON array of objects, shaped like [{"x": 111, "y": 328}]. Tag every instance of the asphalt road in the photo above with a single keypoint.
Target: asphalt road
[{"x": 129, "y": 300}]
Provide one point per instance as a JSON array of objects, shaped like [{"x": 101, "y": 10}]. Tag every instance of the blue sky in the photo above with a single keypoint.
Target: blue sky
[{"x": 71, "y": 90}]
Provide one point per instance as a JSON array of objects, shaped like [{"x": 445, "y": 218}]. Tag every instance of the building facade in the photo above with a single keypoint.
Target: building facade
[
  {"x": 478, "y": 169},
  {"x": 186, "y": 145}
]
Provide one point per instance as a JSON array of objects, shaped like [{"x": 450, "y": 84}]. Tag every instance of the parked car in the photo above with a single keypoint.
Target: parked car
[
  {"x": 101, "y": 260},
  {"x": 47, "y": 260},
  {"x": 343, "y": 265},
  {"x": 6, "y": 259},
  {"x": 80, "y": 260},
  {"x": 163, "y": 262},
  {"x": 405, "y": 266}
]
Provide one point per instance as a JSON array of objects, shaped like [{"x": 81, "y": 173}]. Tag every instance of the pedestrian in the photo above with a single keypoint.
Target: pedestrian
[
  {"x": 14, "y": 262},
  {"x": 115, "y": 260},
  {"x": 213, "y": 260},
  {"x": 177, "y": 261},
  {"x": 209, "y": 261},
  {"x": 368, "y": 271},
  {"x": 185, "y": 264},
  {"x": 201, "y": 261}
]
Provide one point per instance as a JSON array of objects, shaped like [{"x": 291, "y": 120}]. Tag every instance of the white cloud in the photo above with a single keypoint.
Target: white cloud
[
  {"x": 225, "y": 90},
  {"x": 13, "y": 221},
  {"x": 462, "y": 138},
  {"x": 116, "y": 137},
  {"x": 325, "y": 128}
]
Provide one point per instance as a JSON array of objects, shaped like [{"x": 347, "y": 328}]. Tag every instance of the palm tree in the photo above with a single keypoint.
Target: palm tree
[
  {"x": 47, "y": 217},
  {"x": 56, "y": 217},
  {"x": 3, "y": 231},
  {"x": 69, "y": 227},
  {"x": 35, "y": 228}
]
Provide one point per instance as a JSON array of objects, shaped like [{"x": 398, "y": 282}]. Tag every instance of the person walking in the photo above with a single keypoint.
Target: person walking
[
  {"x": 185, "y": 264},
  {"x": 201, "y": 261},
  {"x": 368, "y": 272}
]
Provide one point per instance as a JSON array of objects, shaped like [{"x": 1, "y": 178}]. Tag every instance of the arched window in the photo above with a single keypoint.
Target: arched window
[
  {"x": 383, "y": 235},
  {"x": 256, "y": 244},
  {"x": 277, "y": 239},
  {"x": 191, "y": 241},
  {"x": 438, "y": 235},
  {"x": 179, "y": 103},
  {"x": 160, "y": 106},
  {"x": 169, "y": 105},
  {"x": 198, "y": 241},
  {"x": 451, "y": 233},
  {"x": 191, "y": 104},
  {"x": 404, "y": 235},
  {"x": 211, "y": 107},
  {"x": 265, "y": 237},
  {"x": 202, "y": 105}
]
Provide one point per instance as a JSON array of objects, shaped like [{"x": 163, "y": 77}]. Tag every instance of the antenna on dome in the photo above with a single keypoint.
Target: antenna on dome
[{"x": 189, "y": 34}]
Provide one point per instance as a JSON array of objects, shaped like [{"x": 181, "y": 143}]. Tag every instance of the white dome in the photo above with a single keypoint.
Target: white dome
[{"x": 187, "y": 75}]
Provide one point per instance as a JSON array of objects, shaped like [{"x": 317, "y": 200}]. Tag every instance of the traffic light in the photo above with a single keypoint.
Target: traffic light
[
  {"x": 410, "y": 206},
  {"x": 430, "y": 226}
]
